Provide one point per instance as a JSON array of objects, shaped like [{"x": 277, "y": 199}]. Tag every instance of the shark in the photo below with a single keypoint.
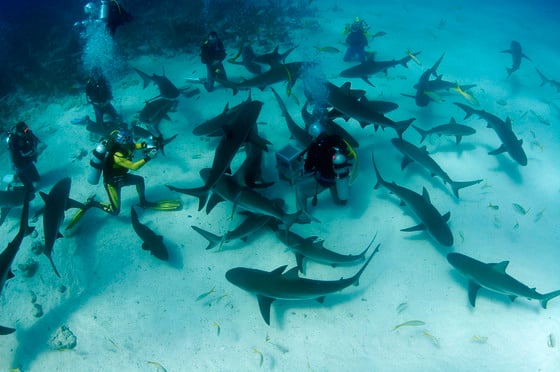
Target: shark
[
  {"x": 426, "y": 88},
  {"x": 151, "y": 241},
  {"x": 233, "y": 137},
  {"x": 545, "y": 80},
  {"x": 449, "y": 129},
  {"x": 421, "y": 156},
  {"x": 166, "y": 88},
  {"x": 10, "y": 199},
  {"x": 516, "y": 55},
  {"x": 247, "y": 59},
  {"x": 503, "y": 129},
  {"x": 154, "y": 111},
  {"x": 313, "y": 249},
  {"x": 8, "y": 255},
  {"x": 431, "y": 220},
  {"x": 370, "y": 67},
  {"x": 251, "y": 224},
  {"x": 56, "y": 203},
  {"x": 343, "y": 101},
  {"x": 493, "y": 277},
  {"x": 288, "y": 72},
  {"x": 216, "y": 124},
  {"x": 273, "y": 58},
  {"x": 280, "y": 284}
]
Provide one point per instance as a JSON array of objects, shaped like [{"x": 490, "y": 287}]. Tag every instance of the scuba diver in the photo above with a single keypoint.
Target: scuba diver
[
  {"x": 23, "y": 145},
  {"x": 114, "y": 158},
  {"x": 212, "y": 53},
  {"x": 109, "y": 11},
  {"x": 330, "y": 160},
  {"x": 356, "y": 40},
  {"x": 99, "y": 94}
]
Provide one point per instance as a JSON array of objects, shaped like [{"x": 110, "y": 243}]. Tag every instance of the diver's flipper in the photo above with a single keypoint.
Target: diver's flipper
[
  {"x": 82, "y": 208},
  {"x": 163, "y": 205}
]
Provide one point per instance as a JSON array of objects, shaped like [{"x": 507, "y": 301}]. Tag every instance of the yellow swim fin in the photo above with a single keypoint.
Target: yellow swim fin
[{"x": 163, "y": 205}]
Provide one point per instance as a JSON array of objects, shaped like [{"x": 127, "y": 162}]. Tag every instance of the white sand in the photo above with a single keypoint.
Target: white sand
[{"x": 128, "y": 309}]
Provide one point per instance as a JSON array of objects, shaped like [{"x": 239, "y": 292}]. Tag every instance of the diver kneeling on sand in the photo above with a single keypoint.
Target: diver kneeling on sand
[
  {"x": 114, "y": 158},
  {"x": 331, "y": 161}
]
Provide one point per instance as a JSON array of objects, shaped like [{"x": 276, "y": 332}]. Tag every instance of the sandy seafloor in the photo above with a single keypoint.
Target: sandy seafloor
[{"x": 128, "y": 309}]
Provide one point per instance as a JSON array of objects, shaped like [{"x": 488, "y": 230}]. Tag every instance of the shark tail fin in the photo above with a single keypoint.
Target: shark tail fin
[
  {"x": 423, "y": 133},
  {"x": 544, "y": 80},
  {"x": 200, "y": 192},
  {"x": 359, "y": 273},
  {"x": 53, "y": 266},
  {"x": 380, "y": 180},
  {"x": 401, "y": 126},
  {"x": 468, "y": 110},
  {"x": 548, "y": 297},
  {"x": 145, "y": 78},
  {"x": 213, "y": 240},
  {"x": 456, "y": 186},
  {"x": 509, "y": 70},
  {"x": 6, "y": 331}
]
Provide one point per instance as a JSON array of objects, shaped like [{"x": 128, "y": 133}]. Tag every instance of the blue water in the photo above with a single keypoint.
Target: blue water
[{"x": 129, "y": 309}]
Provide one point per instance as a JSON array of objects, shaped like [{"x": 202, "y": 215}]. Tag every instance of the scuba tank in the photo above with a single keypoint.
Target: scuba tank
[
  {"x": 97, "y": 162},
  {"x": 341, "y": 171},
  {"x": 104, "y": 11}
]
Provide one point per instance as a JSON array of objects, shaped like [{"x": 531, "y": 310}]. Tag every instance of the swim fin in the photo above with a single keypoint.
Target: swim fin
[
  {"x": 80, "y": 213},
  {"x": 163, "y": 205}
]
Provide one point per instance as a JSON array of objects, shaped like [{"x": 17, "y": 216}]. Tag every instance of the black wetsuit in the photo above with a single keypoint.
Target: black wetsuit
[
  {"x": 320, "y": 157},
  {"x": 99, "y": 94},
  {"x": 117, "y": 16},
  {"x": 212, "y": 54},
  {"x": 23, "y": 151}
]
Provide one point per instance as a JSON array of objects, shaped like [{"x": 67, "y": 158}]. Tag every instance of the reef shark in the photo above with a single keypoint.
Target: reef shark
[
  {"x": 421, "y": 156},
  {"x": 8, "y": 255},
  {"x": 545, "y": 80},
  {"x": 10, "y": 199},
  {"x": 510, "y": 143},
  {"x": 234, "y": 135},
  {"x": 166, "y": 88},
  {"x": 493, "y": 277},
  {"x": 273, "y": 285},
  {"x": 288, "y": 72},
  {"x": 431, "y": 220},
  {"x": 449, "y": 129},
  {"x": 516, "y": 55},
  {"x": 370, "y": 67},
  {"x": 56, "y": 203},
  {"x": 343, "y": 101},
  {"x": 151, "y": 241}
]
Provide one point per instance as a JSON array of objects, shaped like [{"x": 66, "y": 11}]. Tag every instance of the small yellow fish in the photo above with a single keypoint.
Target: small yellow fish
[
  {"x": 218, "y": 329},
  {"x": 551, "y": 342},
  {"x": 413, "y": 57},
  {"x": 410, "y": 323},
  {"x": 538, "y": 144},
  {"x": 432, "y": 338},
  {"x": 494, "y": 207},
  {"x": 261, "y": 356},
  {"x": 402, "y": 307},
  {"x": 462, "y": 236},
  {"x": 539, "y": 215},
  {"x": 467, "y": 96},
  {"x": 328, "y": 49},
  {"x": 158, "y": 366},
  {"x": 434, "y": 96},
  {"x": 200, "y": 297},
  {"x": 519, "y": 209},
  {"x": 479, "y": 339}
]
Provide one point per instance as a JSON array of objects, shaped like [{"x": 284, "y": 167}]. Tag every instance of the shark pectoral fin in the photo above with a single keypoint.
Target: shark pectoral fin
[
  {"x": 512, "y": 298},
  {"x": 499, "y": 150},
  {"x": 264, "y": 307},
  {"x": 425, "y": 194},
  {"x": 419, "y": 227},
  {"x": 10, "y": 275},
  {"x": 299, "y": 260},
  {"x": 446, "y": 216},
  {"x": 145, "y": 247},
  {"x": 214, "y": 200},
  {"x": 6, "y": 330},
  {"x": 320, "y": 299},
  {"x": 43, "y": 195},
  {"x": 59, "y": 235},
  {"x": 405, "y": 161},
  {"x": 458, "y": 139},
  {"x": 473, "y": 289}
]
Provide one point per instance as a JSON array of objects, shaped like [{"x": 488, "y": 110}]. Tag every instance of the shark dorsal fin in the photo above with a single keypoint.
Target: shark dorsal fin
[
  {"x": 500, "y": 266},
  {"x": 446, "y": 216},
  {"x": 508, "y": 122},
  {"x": 346, "y": 87},
  {"x": 452, "y": 121},
  {"x": 291, "y": 274},
  {"x": 425, "y": 194},
  {"x": 279, "y": 270}
]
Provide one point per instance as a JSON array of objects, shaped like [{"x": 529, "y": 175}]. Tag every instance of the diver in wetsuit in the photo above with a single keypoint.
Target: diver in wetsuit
[
  {"x": 109, "y": 11},
  {"x": 99, "y": 94},
  {"x": 23, "y": 152},
  {"x": 212, "y": 53}
]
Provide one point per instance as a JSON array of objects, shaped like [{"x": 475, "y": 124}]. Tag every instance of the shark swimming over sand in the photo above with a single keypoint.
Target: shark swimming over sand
[
  {"x": 431, "y": 220},
  {"x": 150, "y": 240},
  {"x": 516, "y": 55},
  {"x": 503, "y": 129},
  {"x": 273, "y": 285},
  {"x": 166, "y": 88},
  {"x": 420, "y": 155},
  {"x": 8, "y": 255},
  {"x": 370, "y": 67},
  {"x": 449, "y": 129},
  {"x": 493, "y": 277}
]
